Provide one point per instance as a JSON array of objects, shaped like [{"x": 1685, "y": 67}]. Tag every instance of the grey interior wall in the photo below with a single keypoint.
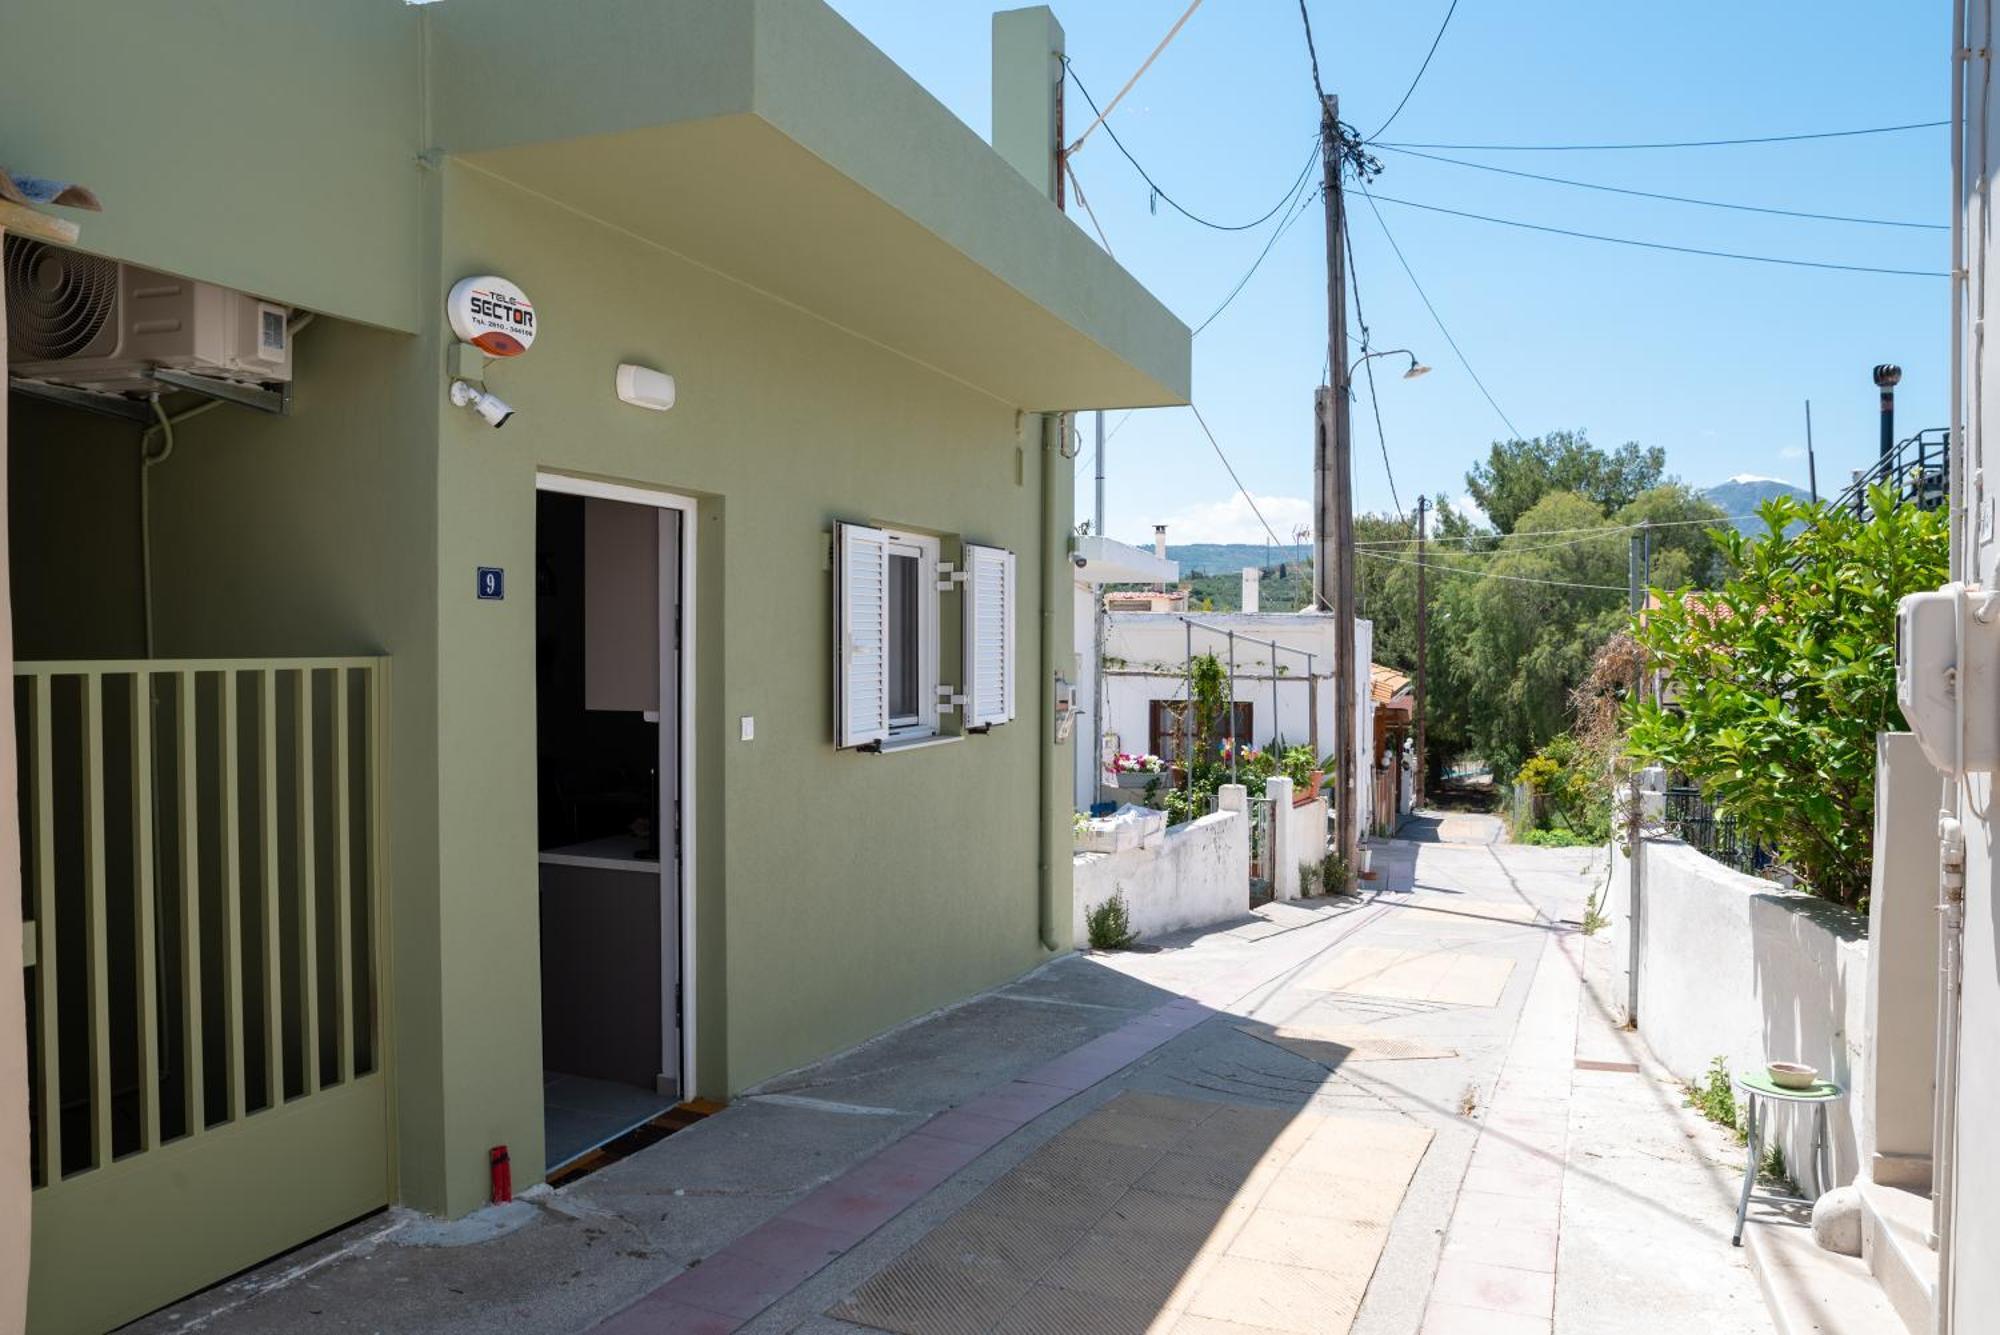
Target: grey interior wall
[{"x": 73, "y": 535}]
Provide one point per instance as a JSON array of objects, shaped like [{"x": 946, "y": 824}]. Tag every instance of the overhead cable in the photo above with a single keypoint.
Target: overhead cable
[
  {"x": 1173, "y": 203},
  {"x": 1683, "y": 143},
  {"x": 1276, "y": 232},
  {"x": 1596, "y": 531},
  {"x": 1420, "y": 71},
  {"x": 1665, "y": 245},
  {"x": 1368, "y": 365},
  {"x": 1676, "y": 199},
  {"x": 1493, "y": 574},
  {"x": 1245, "y": 491},
  {"x": 1437, "y": 319}
]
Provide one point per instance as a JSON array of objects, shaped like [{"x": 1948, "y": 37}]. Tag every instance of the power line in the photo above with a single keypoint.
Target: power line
[
  {"x": 1435, "y": 317},
  {"x": 1251, "y": 500},
  {"x": 1490, "y": 574},
  {"x": 1597, "y": 531},
  {"x": 1685, "y": 143},
  {"x": 1676, "y": 199},
  {"x": 1257, "y": 263},
  {"x": 1665, "y": 245},
  {"x": 1175, "y": 204},
  {"x": 1420, "y": 71},
  {"x": 1312, "y": 52},
  {"x": 1368, "y": 364}
]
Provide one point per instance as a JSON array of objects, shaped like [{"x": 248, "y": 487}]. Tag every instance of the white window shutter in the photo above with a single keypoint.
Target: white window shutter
[
  {"x": 861, "y": 623},
  {"x": 989, "y": 636}
]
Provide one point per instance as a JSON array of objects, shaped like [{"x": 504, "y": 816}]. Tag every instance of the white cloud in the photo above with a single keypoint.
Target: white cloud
[
  {"x": 1792, "y": 452},
  {"x": 1234, "y": 521}
]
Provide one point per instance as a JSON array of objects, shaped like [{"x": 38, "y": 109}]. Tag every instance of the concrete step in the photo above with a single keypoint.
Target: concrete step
[
  {"x": 1895, "y": 1225},
  {"x": 1811, "y": 1291}
]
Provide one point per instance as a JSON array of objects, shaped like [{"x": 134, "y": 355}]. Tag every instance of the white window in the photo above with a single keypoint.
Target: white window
[{"x": 887, "y": 652}]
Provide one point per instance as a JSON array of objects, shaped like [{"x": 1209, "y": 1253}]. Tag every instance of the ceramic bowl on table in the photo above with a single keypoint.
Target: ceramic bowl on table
[{"x": 1792, "y": 1075}]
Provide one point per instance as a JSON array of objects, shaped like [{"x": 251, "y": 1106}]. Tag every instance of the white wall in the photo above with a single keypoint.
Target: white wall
[
  {"x": 1739, "y": 968},
  {"x": 1148, "y": 656},
  {"x": 1089, "y": 729},
  {"x": 1975, "y": 1179},
  {"x": 1199, "y": 874}
]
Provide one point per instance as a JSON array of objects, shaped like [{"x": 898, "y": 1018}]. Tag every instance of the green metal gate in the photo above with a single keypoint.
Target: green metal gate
[{"x": 202, "y": 864}]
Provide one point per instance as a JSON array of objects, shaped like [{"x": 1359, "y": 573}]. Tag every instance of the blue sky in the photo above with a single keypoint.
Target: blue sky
[{"x": 1711, "y": 358}]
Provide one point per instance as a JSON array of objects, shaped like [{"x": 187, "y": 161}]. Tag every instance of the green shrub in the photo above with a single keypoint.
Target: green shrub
[
  {"x": 1559, "y": 838},
  {"x": 1783, "y": 677},
  {"x": 1715, "y": 1096},
  {"x": 1309, "y": 873},
  {"x": 1335, "y": 877},
  {"x": 1109, "y": 925}
]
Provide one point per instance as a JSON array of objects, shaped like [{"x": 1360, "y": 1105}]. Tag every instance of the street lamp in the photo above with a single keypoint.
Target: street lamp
[{"x": 1416, "y": 369}]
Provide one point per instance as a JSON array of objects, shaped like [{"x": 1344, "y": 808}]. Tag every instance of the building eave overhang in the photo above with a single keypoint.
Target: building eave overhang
[{"x": 766, "y": 139}]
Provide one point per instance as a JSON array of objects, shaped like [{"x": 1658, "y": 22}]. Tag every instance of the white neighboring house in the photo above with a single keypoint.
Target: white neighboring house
[
  {"x": 1145, "y": 670},
  {"x": 1097, "y": 562}
]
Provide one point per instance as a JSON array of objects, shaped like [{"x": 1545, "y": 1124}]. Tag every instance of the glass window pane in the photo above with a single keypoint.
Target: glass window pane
[{"x": 904, "y": 637}]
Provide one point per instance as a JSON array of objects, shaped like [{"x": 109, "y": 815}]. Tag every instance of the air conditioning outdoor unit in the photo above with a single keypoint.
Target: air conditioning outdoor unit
[{"x": 99, "y": 325}]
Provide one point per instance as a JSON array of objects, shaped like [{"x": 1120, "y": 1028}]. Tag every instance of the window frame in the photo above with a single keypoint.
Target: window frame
[{"x": 926, "y": 549}]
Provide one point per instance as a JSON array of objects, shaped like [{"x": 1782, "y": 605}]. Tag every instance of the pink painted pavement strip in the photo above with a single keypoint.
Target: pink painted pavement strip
[
  {"x": 1497, "y": 1272},
  {"x": 746, "y": 1275}
]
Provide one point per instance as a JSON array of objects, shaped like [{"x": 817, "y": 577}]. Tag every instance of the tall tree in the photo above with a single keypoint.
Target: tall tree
[{"x": 1518, "y": 473}]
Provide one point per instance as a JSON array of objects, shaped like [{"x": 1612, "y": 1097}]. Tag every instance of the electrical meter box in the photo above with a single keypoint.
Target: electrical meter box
[{"x": 1937, "y": 672}]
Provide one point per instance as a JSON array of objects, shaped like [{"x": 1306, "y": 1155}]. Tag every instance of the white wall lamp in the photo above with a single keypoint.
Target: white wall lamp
[{"x": 643, "y": 387}]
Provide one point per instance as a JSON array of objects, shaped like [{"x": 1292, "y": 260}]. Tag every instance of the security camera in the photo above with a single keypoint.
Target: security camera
[
  {"x": 492, "y": 409},
  {"x": 1079, "y": 560}
]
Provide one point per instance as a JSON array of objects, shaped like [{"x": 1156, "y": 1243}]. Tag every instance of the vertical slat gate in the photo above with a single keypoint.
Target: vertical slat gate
[
  {"x": 230, "y": 824},
  {"x": 152, "y": 1005},
  {"x": 187, "y": 802},
  {"x": 145, "y": 924},
  {"x": 49, "y": 1056},
  {"x": 267, "y": 843},
  {"x": 308, "y": 876},
  {"x": 343, "y": 886},
  {"x": 98, "y": 970}
]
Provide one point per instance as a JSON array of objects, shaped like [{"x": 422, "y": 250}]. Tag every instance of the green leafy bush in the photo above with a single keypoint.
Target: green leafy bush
[
  {"x": 1781, "y": 680},
  {"x": 1558, "y": 838},
  {"x": 1109, "y": 925},
  {"x": 1715, "y": 1096}
]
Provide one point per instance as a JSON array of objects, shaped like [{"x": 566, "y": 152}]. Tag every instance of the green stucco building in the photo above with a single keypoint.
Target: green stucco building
[{"x": 337, "y": 719}]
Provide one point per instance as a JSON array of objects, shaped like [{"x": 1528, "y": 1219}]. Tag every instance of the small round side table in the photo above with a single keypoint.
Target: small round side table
[{"x": 1758, "y": 1090}]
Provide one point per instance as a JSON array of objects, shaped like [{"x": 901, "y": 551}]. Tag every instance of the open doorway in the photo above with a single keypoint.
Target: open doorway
[{"x": 610, "y": 577}]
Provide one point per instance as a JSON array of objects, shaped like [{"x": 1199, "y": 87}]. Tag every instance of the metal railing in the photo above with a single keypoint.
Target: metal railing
[
  {"x": 1918, "y": 469},
  {"x": 202, "y": 853},
  {"x": 1693, "y": 820},
  {"x": 1261, "y": 816}
]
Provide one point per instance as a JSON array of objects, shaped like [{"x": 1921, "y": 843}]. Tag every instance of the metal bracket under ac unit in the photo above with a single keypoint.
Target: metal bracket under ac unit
[
  {"x": 277, "y": 402},
  {"x": 110, "y": 405}
]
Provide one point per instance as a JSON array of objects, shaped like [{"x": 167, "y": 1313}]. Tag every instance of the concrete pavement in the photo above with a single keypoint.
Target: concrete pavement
[{"x": 1197, "y": 1137}]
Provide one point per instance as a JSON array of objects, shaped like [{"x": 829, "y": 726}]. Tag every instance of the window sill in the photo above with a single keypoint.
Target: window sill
[{"x": 895, "y": 744}]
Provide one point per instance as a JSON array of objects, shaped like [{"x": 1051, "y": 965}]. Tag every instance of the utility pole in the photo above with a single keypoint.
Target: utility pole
[
  {"x": 1423, "y": 643},
  {"x": 1333, "y": 568}
]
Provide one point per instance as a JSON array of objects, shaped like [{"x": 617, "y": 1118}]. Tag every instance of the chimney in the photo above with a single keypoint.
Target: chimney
[
  {"x": 1251, "y": 574},
  {"x": 1160, "y": 541},
  {"x": 1027, "y": 94}
]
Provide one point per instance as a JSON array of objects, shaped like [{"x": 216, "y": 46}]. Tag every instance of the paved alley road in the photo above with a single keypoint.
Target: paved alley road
[{"x": 1398, "y": 1113}]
